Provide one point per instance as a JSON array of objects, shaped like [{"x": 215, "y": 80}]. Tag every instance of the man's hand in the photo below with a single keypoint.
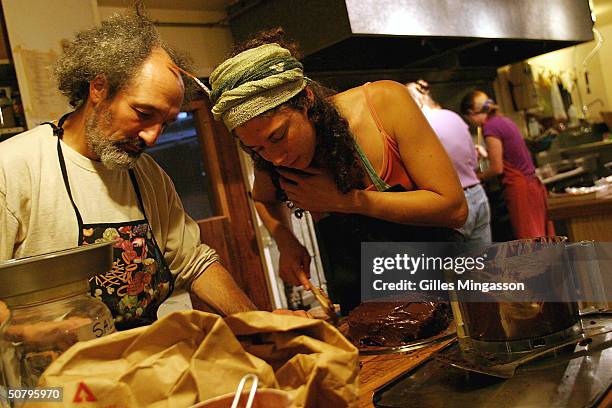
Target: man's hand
[{"x": 216, "y": 287}]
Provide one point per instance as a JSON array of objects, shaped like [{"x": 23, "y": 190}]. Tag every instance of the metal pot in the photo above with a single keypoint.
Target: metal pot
[{"x": 49, "y": 276}]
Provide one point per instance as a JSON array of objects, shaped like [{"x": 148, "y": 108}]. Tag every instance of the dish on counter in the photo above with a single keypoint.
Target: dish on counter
[{"x": 600, "y": 189}]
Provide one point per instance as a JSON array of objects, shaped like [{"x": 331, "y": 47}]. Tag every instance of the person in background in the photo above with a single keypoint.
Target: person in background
[
  {"x": 508, "y": 155},
  {"x": 454, "y": 134},
  {"x": 337, "y": 156},
  {"x": 86, "y": 180}
]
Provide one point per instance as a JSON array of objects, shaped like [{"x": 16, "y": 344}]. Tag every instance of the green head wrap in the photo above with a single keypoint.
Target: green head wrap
[{"x": 254, "y": 82}]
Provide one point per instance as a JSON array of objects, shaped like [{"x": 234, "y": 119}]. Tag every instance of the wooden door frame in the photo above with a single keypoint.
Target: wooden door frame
[{"x": 239, "y": 249}]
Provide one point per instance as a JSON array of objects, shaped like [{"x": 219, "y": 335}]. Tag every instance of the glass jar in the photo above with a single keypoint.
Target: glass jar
[
  {"x": 5, "y": 320},
  {"x": 50, "y": 315},
  {"x": 41, "y": 332},
  {"x": 507, "y": 326}
]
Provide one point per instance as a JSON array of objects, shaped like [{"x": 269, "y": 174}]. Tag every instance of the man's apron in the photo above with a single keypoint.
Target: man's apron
[
  {"x": 140, "y": 280},
  {"x": 525, "y": 198}
]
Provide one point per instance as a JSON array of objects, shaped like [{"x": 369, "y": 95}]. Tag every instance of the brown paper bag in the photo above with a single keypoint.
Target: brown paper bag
[
  {"x": 316, "y": 364},
  {"x": 192, "y": 356}
]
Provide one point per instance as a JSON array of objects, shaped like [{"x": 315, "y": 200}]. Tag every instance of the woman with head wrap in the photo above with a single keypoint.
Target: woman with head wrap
[
  {"x": 524, "y": 194},
  {"x": 335, "y": 156}
]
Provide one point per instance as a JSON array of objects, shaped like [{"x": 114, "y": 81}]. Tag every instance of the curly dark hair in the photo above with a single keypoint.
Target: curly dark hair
[
  {"x": 273, "y": 35},
  {"x": 116, "y": 49},
  {"x": 335, "y": 150}
]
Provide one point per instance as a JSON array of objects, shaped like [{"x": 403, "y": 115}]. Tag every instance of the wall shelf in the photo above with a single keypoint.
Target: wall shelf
[
  {"x": 6, "y": 133},
  {"x": 11, "y": 130}
]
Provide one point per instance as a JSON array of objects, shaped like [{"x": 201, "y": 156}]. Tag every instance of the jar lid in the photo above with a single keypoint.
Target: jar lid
[{"x": 36, "y": 278}]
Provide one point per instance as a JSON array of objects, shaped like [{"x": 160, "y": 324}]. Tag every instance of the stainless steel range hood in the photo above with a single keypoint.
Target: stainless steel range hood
[{"x": 338, "y": 35}]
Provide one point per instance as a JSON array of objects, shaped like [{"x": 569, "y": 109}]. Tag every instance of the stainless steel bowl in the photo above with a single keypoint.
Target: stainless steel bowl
[{"x": 43, "y": 277}]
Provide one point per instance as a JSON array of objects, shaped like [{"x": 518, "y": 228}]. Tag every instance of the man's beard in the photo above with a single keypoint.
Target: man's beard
[{"x": 109, "y": 151}]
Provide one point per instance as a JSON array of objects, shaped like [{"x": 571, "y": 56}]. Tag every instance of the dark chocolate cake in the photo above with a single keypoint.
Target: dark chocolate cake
[{"x": 396, "y": 323}]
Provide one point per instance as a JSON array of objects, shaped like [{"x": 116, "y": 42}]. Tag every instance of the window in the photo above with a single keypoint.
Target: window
[{"x": 179, "y": 153}]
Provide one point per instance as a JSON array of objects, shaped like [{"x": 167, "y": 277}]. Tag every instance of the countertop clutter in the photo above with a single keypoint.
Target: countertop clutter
[
  {"x": 511, "y": 353},
  {"x": 580, "y": 189},
  {"x": 502, "y": 354},
  {"x": 191, "y": 356},
  {"x": 377, "y": 371},
  {"x": 418, "y": 379},
  {"x": 586, "y": 216}
]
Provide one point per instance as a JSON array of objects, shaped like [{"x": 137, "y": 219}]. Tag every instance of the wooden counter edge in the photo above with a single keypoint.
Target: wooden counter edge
[{"x": 578, "y": 207}]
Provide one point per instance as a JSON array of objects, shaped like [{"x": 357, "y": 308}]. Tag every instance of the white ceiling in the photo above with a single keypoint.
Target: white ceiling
[
  {"x": 206, "y": 5},
  {"x": 603, "y": 11}
]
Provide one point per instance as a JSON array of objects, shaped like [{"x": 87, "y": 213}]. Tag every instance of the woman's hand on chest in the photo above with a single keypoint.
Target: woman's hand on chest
[{"x": 315, "y": 190}]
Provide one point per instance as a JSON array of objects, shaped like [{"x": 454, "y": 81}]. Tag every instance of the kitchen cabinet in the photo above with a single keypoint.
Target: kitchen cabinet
[{"x": 6, "y": 133}]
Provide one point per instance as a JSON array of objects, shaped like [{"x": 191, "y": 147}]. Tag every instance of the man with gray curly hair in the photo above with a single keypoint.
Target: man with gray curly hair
[
  {"x": 116, "y": 51},
  {"x": 85, "y": 178}
]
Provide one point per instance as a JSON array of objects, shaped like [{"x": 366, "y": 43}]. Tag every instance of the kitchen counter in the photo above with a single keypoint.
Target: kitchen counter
[
  {"x": 586, "y": 217},
  {"x": 594, "y": 147},
  {"x": 564, "y": 175},
  {"x": 379, "y": 370}
]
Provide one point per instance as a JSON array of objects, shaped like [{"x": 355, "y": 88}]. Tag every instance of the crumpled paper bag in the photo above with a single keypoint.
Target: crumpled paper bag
[
  {"x": 311, "y": 360},
  {"x": 192, "y": 356}
]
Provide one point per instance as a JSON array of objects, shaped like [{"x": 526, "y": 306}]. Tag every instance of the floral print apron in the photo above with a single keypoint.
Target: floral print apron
[{"x": 139, "y": 280}]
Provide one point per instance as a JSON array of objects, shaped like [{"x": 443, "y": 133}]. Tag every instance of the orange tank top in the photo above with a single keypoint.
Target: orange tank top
[{"x": 393, "y": 171}]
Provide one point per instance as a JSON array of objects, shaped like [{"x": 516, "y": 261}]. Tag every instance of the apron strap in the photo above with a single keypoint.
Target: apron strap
[
  {"x": 141, "y": 203},
  {"x": 137, "y": 190},
  {"x": 60, "y": 156},
  {"x": 58, "y": 131}
]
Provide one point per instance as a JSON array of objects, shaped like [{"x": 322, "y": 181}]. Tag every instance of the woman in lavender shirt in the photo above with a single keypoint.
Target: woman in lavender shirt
[
  {"x": 454, "y": 135},
  {"x": 525, "y": 196}
]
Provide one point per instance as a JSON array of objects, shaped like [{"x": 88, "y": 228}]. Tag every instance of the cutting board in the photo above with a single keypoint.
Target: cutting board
[{"x": 379, "y": 370}]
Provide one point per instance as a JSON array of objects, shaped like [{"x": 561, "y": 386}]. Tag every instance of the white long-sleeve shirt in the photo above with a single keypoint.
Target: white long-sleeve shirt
[{"x": 36, "y": 215}]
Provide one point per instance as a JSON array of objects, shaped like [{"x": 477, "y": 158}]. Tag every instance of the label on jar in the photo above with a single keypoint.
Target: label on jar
[{"x": 95, "y": 329}]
